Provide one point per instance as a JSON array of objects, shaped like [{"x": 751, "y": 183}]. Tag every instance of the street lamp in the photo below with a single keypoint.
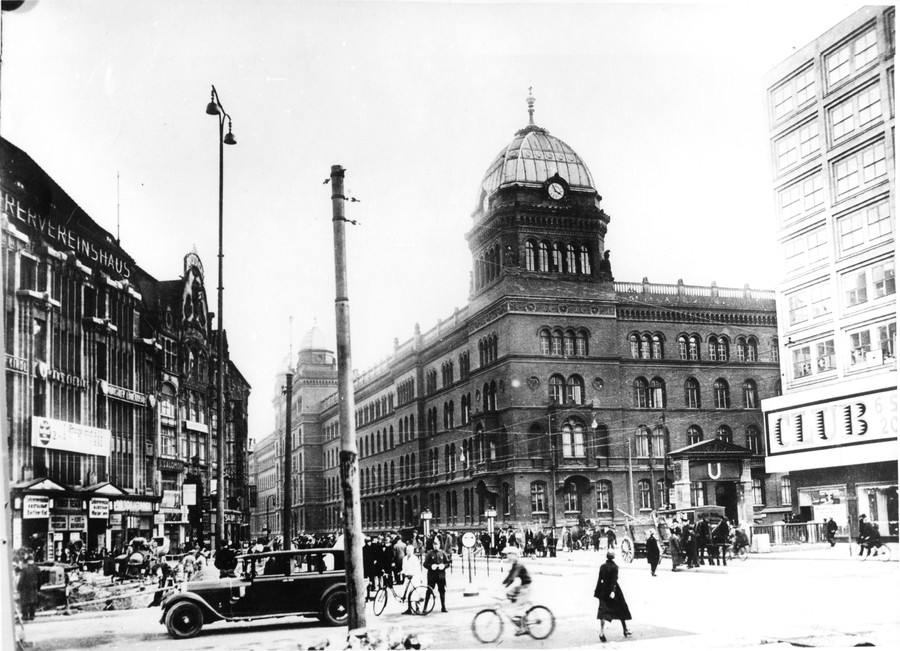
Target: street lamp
[
  {"x": 215, "y": 108},
  {"x": 426, "y": 522},
  {"x": 268, "y": 528}
]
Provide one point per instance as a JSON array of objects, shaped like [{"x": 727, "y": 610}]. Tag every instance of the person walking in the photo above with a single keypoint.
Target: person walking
[
  {"x": 703, "y": 539},
  {"x": 610, "y": 537},
  {"x": 436, "y": 562},
  {"x": 689, "y": 543},
  {"x": 863, "y": 535},
  {"x": 652, "y": 551},
  {"x": 675, "y": 549},
  {"x": 27, "y": 585},
  {"x": 612, "y": 600},
  {"x": 830, "y": 530}
]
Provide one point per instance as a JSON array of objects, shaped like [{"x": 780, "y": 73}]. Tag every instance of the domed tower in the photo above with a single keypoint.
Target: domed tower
[{"x": 538, "y": 216}]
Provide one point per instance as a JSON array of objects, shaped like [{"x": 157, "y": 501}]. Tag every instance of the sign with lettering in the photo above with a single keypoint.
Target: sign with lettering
[
  {"x": 115, "y": 520},
  {"x": 18, "y": 364},
  {"x": 59, "y": 522},
  {"x": 72, "y": 437},
  {"x": 35, "y": 506},
  {"x": 715, "y": 471},
  {"x": 99, "y": 508},
  {"x": 132, "y": 506},
  {"x": 120, "y": 393},
  {"x": 189, "y": 494},
  {"x": 60, "y": 234},
  {"x": 78, "y": 522},
  {"x": 844, "y": 429}
]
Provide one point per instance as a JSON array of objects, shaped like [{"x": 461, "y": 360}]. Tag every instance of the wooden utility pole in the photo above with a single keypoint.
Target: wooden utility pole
[
  {"x": 356, "y": 593},
  {"x": 288, "y": 500}
]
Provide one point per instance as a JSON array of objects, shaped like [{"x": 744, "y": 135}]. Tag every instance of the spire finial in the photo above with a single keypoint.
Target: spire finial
[{"x": 530, "y": 102}]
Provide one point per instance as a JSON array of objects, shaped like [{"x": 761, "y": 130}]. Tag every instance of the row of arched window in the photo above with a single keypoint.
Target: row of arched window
[
  {"x": 652, "y": 394},
  {"x": 557, "y": 257},
  {"x": 649, "y": 345},
  {"x": 487, "y": 266},
  {"x": 374, "y": 410},
  {"x": 487, "y": 349},
  {"x": 403, "y": 511},
  {"x": 567, "y": 342}
]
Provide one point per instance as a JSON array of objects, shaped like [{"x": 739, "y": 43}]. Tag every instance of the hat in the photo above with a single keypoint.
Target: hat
[
  {"x": 610, "y": 554},
  {"x": 862, "y": 516}
]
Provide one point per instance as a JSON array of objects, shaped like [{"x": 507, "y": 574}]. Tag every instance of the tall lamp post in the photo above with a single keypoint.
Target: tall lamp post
[{"x": 215, "y": 108}]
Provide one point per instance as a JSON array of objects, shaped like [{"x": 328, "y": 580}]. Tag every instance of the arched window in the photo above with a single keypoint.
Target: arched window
[
  {"x": 538, "y": 497},
  {"x": 556, "y": 264},
  {"x": 569, "y": 343},
  {"x": 722, "y": 350},
  {"x": 602, "y": 434},
  {"x": 752, "y": 350},
  {"x": 642, "y": 442},
  {"x": 721, "y": 395},
  {"x": 694, "y": 348},
  {"x": 694, "y": 434},
  {"x": 604, "y": 496},
  {"x": 571, "y": 264},
  {"x": 575, "y": 390},
  {"x": 572, "y": 497},
  {"x": 682, "y": 347},
  {"x": 740, "y": 348},
  {"x": 644, "y": 494},
  {"x": 544, "y": 256},
  {"x": 692, "y": 393},
  {"x": 557, "y": 386},
  {"x": 545, "y": 341},
  {"x": 573, "y": 440},
  {"x": 661, "y": 492},
  {"x": 556, "y": 342},
  {"x": 635, "y": 345},
  {"x": 723, "y": 433},
  {"x": 645, "y": 347},
  {"x": 530, "y": 256},
  {"x": 751, "y": 398},
  {"x": 657, "y": 347},
  {"x": 658, "y": 443},
  {"x": 640, "y": 393},
  {"x": 581, "y": 344},
  {"x": 585, "y": 260},
  {"x": 754, "y": 439},
  {"x": 657, "y": 397}
]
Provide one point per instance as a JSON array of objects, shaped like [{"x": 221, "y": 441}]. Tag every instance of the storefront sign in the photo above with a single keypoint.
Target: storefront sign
[
  {"x": 35, "y": 506},
  {"x": 17, "y": 364},
  {"x": 99, "y": 508},
  {"x": 62, "y": 235},
  {"x": 59, "y": 522},
  {"x": 77, "y": 522},
  {"x": 132, "y": 505},
  {"x": 43, "y": 371},
  {"x": 115, "y": 520},
  {"x": 189, "y": 494},
  {"x": 170, "y": 499},
  {"x": 715, "y": 471},
  {"x": 72, "y": 437},
  {"x": 832, "y": 432},
  {"x": 121, "y": 393},
  {"x": 159, "y": 518}
]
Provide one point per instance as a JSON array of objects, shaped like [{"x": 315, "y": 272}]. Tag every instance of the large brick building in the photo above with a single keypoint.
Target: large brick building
[
  {"x": 556, "y": 393},
  {"x": 110, "y": 376}
]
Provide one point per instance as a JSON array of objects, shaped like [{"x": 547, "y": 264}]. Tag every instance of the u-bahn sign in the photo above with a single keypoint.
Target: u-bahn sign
[{"x": 715, "y": 470}]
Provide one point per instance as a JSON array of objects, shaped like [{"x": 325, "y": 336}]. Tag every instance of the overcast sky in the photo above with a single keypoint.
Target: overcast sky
[{"x": 664, "y": 102}]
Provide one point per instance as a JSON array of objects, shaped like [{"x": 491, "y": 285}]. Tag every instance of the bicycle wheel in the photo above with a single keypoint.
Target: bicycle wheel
[
  {"x": 539, "y": 622},
  {"x": 884, "y": 553},
  {"x": 743, "y": 553},
  {"x": 487, "y": 625},
  {"x": 627, "y": 550},
  {"x": 380, "y": 601},
  {"x": 421, "y": 600}
]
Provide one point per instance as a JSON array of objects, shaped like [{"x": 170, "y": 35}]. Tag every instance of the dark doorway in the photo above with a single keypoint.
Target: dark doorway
[{"x": 726, "y": 495}]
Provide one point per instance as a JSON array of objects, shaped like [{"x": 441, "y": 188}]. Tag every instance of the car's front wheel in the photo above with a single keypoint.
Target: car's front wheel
[
  {"x": 184, "y": 620},
  {"x": 334, "y": 609}
]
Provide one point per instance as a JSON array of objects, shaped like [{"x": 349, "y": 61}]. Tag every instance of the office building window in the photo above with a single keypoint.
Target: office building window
[
  {"x": 721, "y": 396},
  {"x": 757, "y": 492},
  {"x": 786, "y": 498},
  {"x": 644, "y": 495},
  {"x": 698, "y": 494},
  {"x": 538, "y": 497},
  {"x": 751, "y": 397},
  {"x": 604, "y": 496},
  {"x": 692, "y": 393},
  {"x": 851, "y": 57},
  {"x": 793, "y": 93},
  {"x": 642, "y": 442},
  {"x": 573, "y": 440},
  {"x": 694, "y": 434},
  {"x": 754, "y": 440}
]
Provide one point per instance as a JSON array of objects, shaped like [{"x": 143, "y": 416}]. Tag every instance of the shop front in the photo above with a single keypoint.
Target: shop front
[{"x": 131, "y": 517}]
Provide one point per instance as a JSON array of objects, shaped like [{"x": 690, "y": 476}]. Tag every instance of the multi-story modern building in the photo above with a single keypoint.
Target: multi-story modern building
[
  {"x": 110, "y": 376},
  {"x": 556, "y": 394},
  {"x": 833, "y": 434}
]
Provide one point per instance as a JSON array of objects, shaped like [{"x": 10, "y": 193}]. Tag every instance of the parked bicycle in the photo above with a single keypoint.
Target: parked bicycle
[
  {"x": 487, "y": 625},
  {"x": 420, "y": 599}
]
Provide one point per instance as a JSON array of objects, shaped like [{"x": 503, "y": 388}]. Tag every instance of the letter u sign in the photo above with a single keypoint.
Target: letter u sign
[{"x": 717, "y": 473}]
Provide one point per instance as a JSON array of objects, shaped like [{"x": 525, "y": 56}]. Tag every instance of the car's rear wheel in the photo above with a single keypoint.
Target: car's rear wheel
[
  {"x": 184, "y": 620},
  {"x": 334, "y": 609}
]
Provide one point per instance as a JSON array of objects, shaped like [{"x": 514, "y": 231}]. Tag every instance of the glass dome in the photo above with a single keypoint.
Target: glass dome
[{"x": 533, "y": 157}]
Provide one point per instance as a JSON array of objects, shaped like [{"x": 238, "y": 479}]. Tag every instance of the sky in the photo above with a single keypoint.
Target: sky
[{"x": 665, "y": 103}]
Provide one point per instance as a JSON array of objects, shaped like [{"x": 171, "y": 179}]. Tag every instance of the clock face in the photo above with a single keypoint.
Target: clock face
[{"x": 556, "y": 191}]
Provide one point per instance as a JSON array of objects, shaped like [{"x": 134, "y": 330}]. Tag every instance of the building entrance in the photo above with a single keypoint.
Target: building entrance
[{"x": 726, "y": 496}]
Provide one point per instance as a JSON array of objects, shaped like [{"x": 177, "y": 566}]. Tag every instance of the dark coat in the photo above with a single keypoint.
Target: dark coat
[
  {"x": 433, "y": 558},
  {"x": 29, "y": 581},
  {"x": 609, "y": 593},
  {"x": 652, "y": 550}
]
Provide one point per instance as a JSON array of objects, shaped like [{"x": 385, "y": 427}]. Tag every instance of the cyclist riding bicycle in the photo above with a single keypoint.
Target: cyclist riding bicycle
[
  {"x": 740, "y": 540},
  {"x": 518, "y": 586}
]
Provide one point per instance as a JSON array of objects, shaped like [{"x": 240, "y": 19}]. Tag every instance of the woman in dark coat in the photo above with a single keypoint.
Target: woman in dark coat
[
  {"x": 612, "y": 601},
  {"x": 652, "y": 551}
]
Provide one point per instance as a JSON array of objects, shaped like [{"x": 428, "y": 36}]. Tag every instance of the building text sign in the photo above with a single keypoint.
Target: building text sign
[
  {"x": 72, "y": 437},
  {"x": 99, "y": 508},
  {"x": 843, "y": 429},
  {"x": 715, "y": 471},
  {"x": 35, "y": 506}
]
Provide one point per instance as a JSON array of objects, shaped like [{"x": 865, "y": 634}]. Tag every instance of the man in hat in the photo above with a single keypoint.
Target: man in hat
[
  {"x": 28, "y": 584},
  {"x": 652, "y": 551},
  {"x": 864, "y": 533},
  {"x": 518, "y": 586}
]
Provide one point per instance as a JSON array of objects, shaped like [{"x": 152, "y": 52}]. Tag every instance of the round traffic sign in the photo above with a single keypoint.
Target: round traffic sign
[{"x": 468, "y": 540}]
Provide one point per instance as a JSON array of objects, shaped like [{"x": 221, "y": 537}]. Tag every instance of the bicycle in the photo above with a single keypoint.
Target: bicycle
[
  {"x": 737, "y": 552},
  {"x": 420, "y": 598},
  {"x": 487, "y": 625},
  {"x": 879, "y": 551}
]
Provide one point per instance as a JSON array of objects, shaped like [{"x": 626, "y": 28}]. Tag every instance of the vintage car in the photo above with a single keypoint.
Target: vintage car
[{"x": 305, "y": 582}]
